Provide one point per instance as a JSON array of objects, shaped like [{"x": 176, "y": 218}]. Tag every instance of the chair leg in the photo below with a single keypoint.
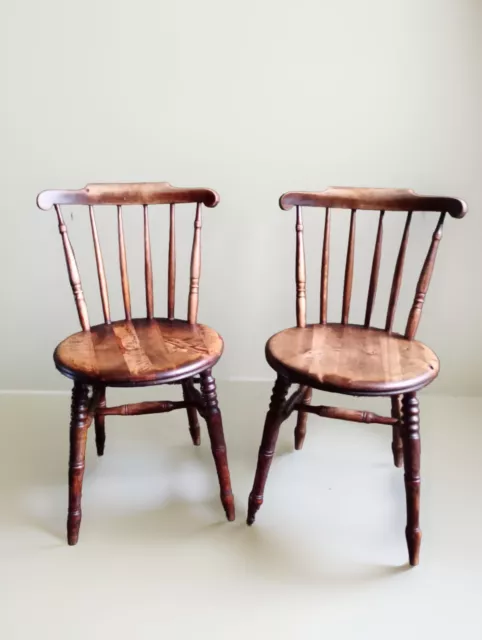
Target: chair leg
[
  {"x": 300, "y": 429},
  {"x": 268, "y": 443},
  {"x": 192, "y": 416},
  {"x": 397, "y": 444},
  {"x": 411, "y": 454},
  {"x": 218, "y": 445},
  {"x": 99, "y": 422},
  {"x": 78, "y": 439}
]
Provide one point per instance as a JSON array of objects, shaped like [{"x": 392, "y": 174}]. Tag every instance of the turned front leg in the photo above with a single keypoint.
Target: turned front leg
[
  {"x": 397, "y": 443},
  {"x": 268, "y": 443},
  {"x": 218, "y": 445},
  {"x": 79, "y": 424},
  {"x": 300, "y": 429},
  {"x": 411, "y": 456}
]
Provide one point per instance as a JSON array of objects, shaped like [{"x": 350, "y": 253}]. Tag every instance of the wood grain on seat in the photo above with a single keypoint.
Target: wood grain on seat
[
  {"x": 137, "y": 352},
  {"x": 351, "y": 359}
]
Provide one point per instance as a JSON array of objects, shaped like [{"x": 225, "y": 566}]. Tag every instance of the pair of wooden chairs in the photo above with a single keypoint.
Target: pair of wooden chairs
[{"x": 338, "y": 357}]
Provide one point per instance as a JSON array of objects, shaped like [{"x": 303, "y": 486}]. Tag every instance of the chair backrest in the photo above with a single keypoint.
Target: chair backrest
[
  {"x": 381, "y": 200},
  {"x": 145, "y": 194}
]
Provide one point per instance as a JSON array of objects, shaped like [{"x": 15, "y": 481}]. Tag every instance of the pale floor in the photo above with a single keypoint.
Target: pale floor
[{"x": 156, "y": 559}]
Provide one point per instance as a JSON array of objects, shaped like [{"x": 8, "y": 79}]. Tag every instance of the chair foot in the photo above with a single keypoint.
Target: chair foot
[
  {"x": 300, "y": 429},
  {"x": 78, "y": 439},
  {"x": 268, "y": 443},
  {"x": 411, "y": 454},
  {"x": 99, "y": 423},
  {"x": 218, "y": 445}
]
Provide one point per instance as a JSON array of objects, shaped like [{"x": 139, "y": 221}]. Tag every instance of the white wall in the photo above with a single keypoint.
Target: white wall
[{"x": 252, "y": 99}]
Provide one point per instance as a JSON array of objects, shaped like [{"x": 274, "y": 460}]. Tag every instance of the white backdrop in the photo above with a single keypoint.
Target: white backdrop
[{"x": 252, "y": 99}]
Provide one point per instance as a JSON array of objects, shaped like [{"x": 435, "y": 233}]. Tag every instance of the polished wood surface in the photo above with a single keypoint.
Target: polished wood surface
[
  {"x": 300, "y": 274},
  {"x": 373, "y": 200},
  {"x": 127, "y": 193},
  {"x": 79, "y": 424},
  {"x": 325, "y": 269},
  {"x": 351, "y": 359},
  {"x": 148, "y": 266},
  {"x": 350, "y": 257},
  {"x": 138, "y": 352},
  {"x": 411, "y": 460},
  {"x": 377, "y": 256},
  {"x": 272, "y": 424},
  {"x": 300, "y": 429},
  {"x": 397, "y": 275},
  {"x": 195, "y": 274},
  {"x": 424, "y": 281},
  {"x": 126, "y": 292},
  {"x": 171, "y": 271},
  {"x": 141, "y": 351},
  {"x": 104, "y": 294},
  {"x": 73, "y": 271}
]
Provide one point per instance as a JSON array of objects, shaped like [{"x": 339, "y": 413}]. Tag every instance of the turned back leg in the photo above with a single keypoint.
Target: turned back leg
[
  {"x": 192, "y": 414},
  {"x": 411, "y": 455},
  {"x": 218, "y": 445},
  {"x": 99, "y": 422},
  {"x": 397, "y": 444},
  {"x": 79, "y": 424},
  {"x": 300, "y": 429},
  {"x": 268, "y": 444}
]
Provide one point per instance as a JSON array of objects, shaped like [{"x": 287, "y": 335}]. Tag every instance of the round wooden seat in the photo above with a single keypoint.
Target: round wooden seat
[
  {"x": 138, "y": 352},
  {"x": 351, "y": 359}
]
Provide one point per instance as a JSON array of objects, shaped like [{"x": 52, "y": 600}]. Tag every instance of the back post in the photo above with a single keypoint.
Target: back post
[
  {"x": 74, "y": 275},
  {"x": 424, "y": 281},
  {"x": 300, "y": 272},
  {"x": 195, "y": 273}
]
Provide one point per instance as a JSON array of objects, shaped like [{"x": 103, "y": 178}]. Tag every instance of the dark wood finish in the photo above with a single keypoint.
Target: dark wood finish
[
  {"x": 352, "y": 359},
  {"x": 373, "y": 200},
  {"x": 300, "y": 429},
  {"x": 325, "y": 268},
  {"x": 171, "y": 273},
  {"x": 142, "y": 408},
  {"x": 195, "y": 269},
  {"x": 397, "y": 442},
  {"x": 104, "y": 295},
  {"x": 339, "y": 413},
  {"x": 350, "y": 258},
  {"x": 129, "y": 193},
  {"x": 424, "y": 281},
  {"x": 137, "y": 351},
  {"x": 74, "y": 275},
  {"x": 148, "y": 266},
  {"x": 79, "y": 425},
  {"x": 189, "y": 395},
  {"x": 411, "y": 457},
  {"x": 99, "y": 422},
  {"x": 333, "y": 357},
  {"x": 377, "y": 256},
  {"x": 218, "y": 445},
  {"x": 300, "y": 272},
  {"x": 397, "y": 275},
  {"x": 126, "y": 293},
  {"x": 272, "y": 425}
]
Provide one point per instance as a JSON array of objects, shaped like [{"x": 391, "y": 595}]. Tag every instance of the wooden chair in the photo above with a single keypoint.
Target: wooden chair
[
  {"x": 137, "y": 352},
  {"x": 353, "y": 359}
]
